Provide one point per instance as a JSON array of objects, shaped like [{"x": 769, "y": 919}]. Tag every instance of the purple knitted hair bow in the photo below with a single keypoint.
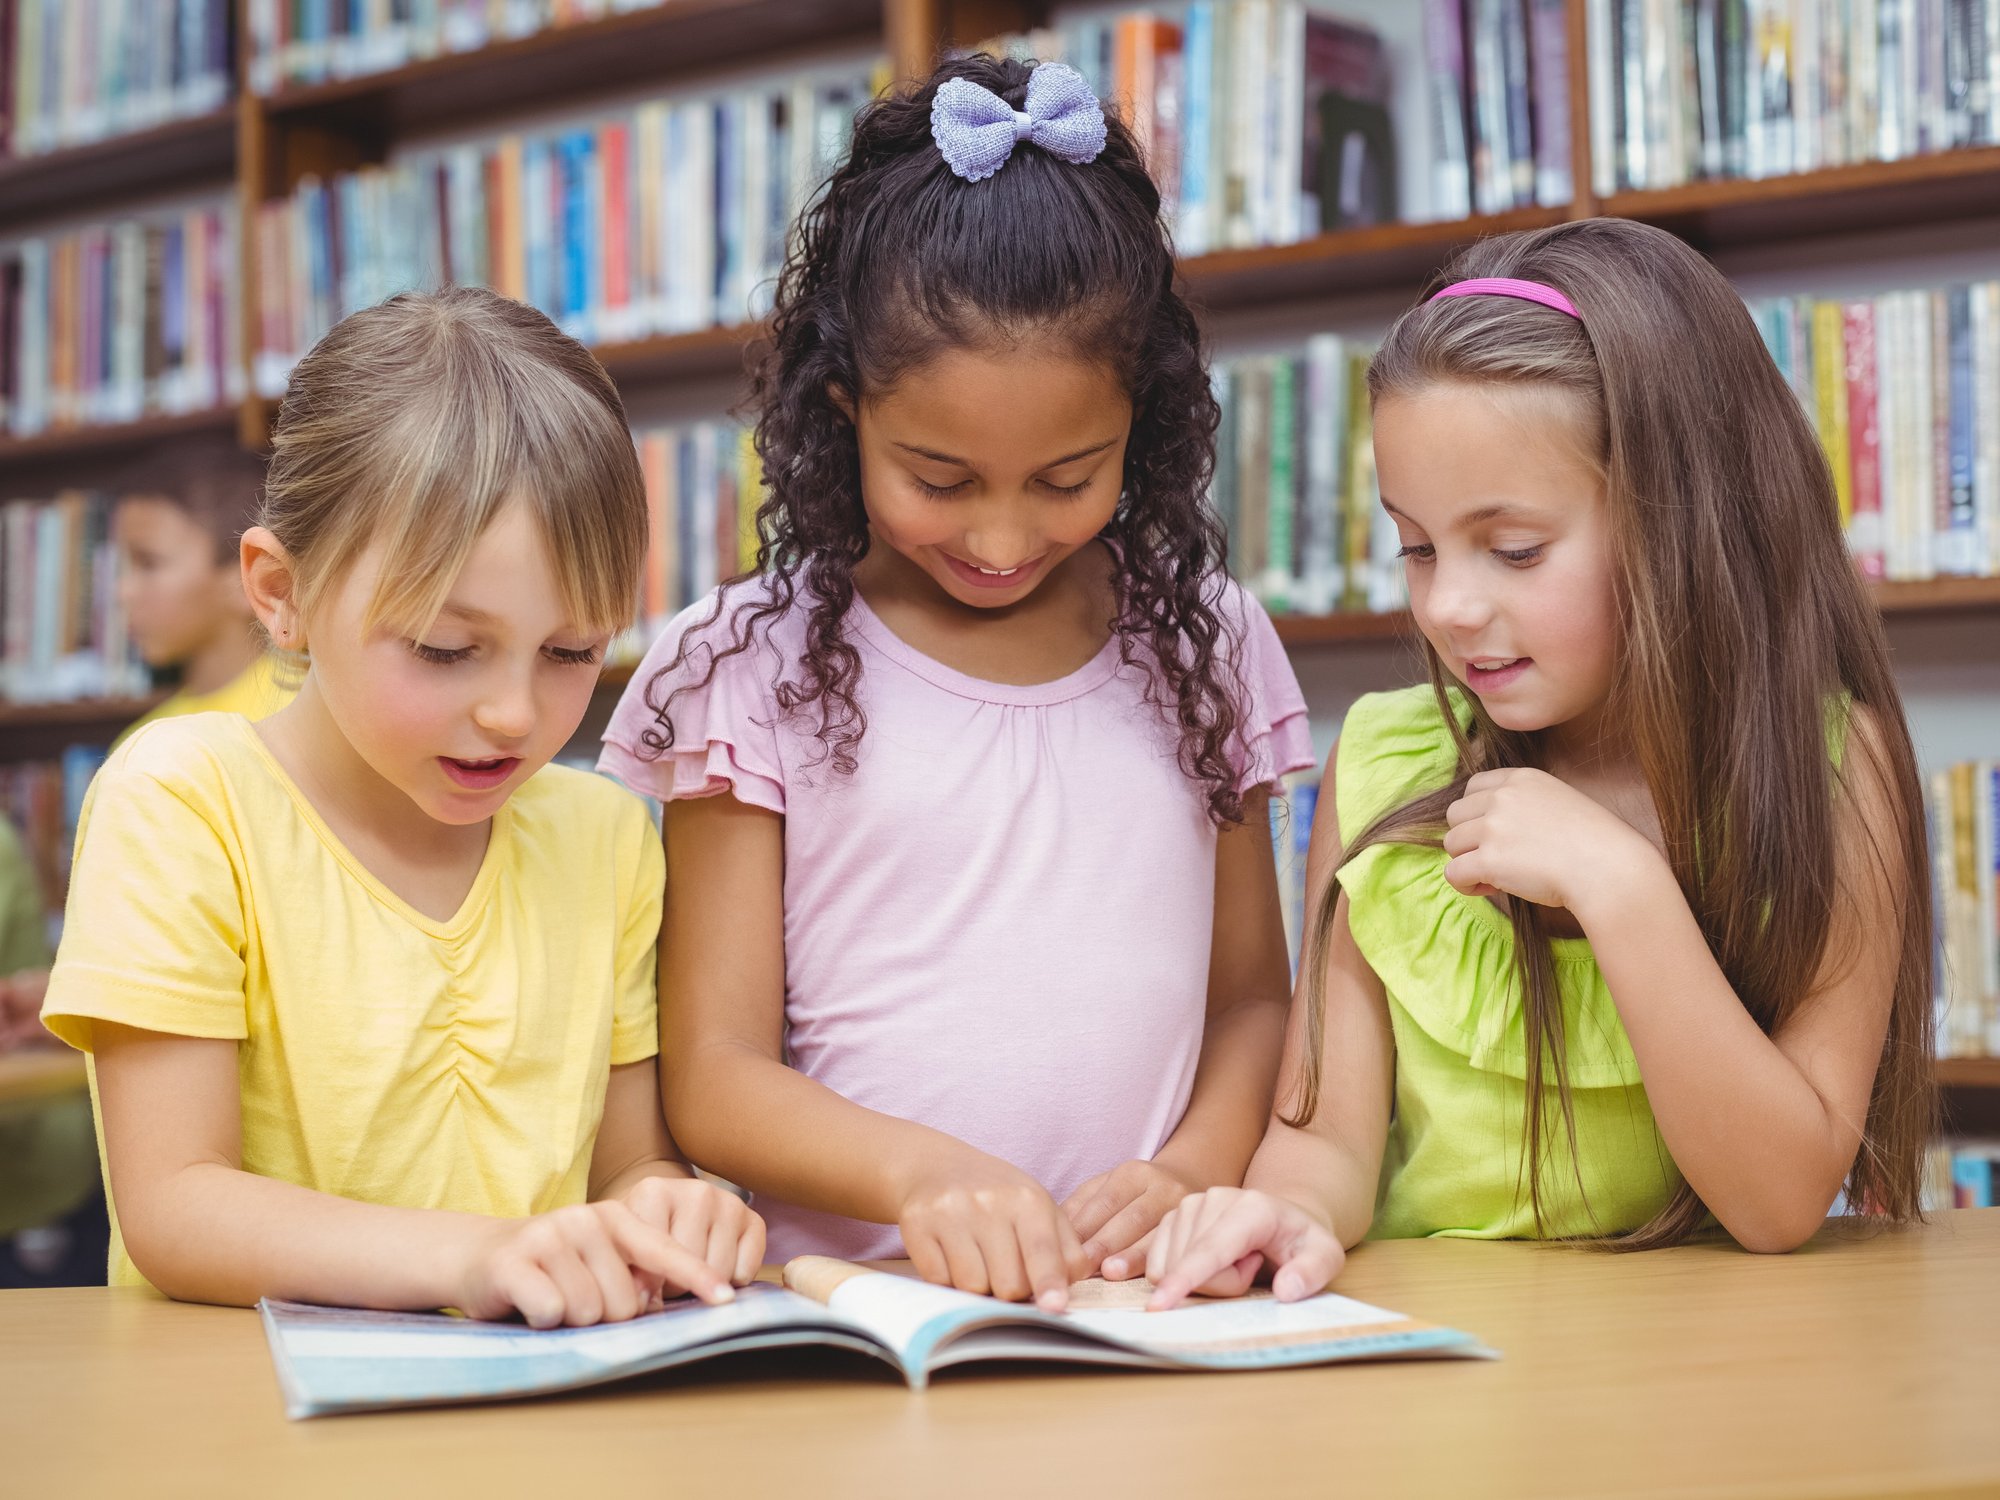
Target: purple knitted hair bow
[{"x": 976, "y": 129}]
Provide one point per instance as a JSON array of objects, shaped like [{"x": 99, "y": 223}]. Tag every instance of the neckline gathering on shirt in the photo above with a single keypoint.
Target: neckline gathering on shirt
[{"x": 1093, "y": 674}]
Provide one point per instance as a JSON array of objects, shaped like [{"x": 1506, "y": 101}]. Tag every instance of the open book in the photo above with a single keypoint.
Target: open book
[{"x": 339, "y": 1360}]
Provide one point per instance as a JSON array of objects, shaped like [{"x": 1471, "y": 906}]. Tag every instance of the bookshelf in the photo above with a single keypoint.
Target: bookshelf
[{"x": 260, "y": 146}]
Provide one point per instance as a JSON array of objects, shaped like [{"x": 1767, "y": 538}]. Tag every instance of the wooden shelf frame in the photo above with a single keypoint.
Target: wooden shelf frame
[{"x": 177, "y": 153}]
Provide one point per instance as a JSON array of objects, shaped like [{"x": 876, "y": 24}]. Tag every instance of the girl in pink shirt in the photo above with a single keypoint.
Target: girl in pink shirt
[{"x": 971, "y": 947}]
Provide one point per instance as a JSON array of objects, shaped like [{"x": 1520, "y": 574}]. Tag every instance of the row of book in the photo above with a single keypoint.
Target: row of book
[
  {"x": 118, "y": 321},
  {"x": 45, "y": 798},
  {"x": 62, "y": 632},
  {"x": 1961, "y": 1174},
  {"x": 1904, "y": 390},
  {"x": 1291, "y": 835},
  {"x": 1963, "y": 802},
  {"x": 1760, "y": 88},
  {"x": 704, "y": 482},
  {"x": 77, "y": 71},
  {"x": 311, "y": 41},
  {"x": 1295, "y": 481},
  {"x": 667, "y": 218},
  {"x": 1268, "y": 121}
]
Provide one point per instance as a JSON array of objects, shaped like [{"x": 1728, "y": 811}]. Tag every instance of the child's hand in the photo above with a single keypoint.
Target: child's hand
[
  {"x": 1527, "y": 834},
  {"x": 21, "y": 997},
  {"x": 718, "y": 1226},
  {"x": 979, "y": 1224},
  {"x": 1115, "y": 1211},
  {"x": 591, "y": 1263},
  {"x": 1215, "y": 1242}
]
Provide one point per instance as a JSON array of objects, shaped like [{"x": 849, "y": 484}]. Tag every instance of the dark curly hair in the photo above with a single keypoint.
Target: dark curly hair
[{"x": 897, "y": 259}]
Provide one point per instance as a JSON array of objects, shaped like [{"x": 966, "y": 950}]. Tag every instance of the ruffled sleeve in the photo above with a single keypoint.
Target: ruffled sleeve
[
  {"x": 1275, "y": 738},
  {"x": 725, "y": 729},
  {"x": 1445, "y": 958}
]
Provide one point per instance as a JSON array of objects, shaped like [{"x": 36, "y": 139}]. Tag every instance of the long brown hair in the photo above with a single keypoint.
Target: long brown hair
[{"x": 1741, "y": 620}]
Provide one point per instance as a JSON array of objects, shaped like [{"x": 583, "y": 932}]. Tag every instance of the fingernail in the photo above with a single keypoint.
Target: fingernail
[
  {"x": 1115, "y": 1266},
  {"x": 1052, "y": 1300},
  {"x": 725, "y": 1293}
]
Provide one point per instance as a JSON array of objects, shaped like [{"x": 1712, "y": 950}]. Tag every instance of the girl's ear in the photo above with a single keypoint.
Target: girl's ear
[
  {"x": 841, "y": 398},
  {"x": 271, "y": 588}
]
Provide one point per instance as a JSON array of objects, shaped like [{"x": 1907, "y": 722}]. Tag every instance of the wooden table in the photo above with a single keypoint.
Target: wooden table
[{"x": 1859, "y": 1366}]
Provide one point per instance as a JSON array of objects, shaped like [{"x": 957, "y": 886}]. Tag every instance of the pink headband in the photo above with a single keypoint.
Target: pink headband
[{"x": 1507, "y": 286}]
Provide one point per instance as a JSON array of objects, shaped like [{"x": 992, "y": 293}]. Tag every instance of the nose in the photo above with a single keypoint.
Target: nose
[
  {"x": 1001, "y": 540},
  {"x": 506, "y": 708},
  {"x": 1455, "y": 602}
]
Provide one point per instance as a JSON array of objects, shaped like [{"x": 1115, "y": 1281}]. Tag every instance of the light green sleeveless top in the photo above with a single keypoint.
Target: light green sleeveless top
[{"x": 1454, "y": 1164}]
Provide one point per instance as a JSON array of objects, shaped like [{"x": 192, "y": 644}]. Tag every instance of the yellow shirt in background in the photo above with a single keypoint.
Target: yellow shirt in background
[
  {"x": 386, "y": 1056},
  {"x": 255, "y": 693}
]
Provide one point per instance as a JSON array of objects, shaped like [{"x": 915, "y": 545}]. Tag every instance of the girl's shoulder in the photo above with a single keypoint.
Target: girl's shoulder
[{"x": 1393, "y": 746}]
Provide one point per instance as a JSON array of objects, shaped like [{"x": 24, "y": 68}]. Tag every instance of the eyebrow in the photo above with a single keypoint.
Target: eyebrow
[
  {"x": 1477, "y": 517},
  {"x": 467, "y": 613},
  {"x": 1054, "y": 463}
]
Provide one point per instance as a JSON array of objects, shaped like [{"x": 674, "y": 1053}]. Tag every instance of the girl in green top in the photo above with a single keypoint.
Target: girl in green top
[{"x": 1622, "y": 922}]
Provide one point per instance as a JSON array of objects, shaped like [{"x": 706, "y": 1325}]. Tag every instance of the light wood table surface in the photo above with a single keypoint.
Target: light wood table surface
[
  {"x": 39, "y": 1072},
  {"x": 1858, "y": 1366}
]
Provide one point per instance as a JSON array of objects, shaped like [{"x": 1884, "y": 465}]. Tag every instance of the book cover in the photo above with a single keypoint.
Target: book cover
[
  {"x": 1349, "y": 150},
  {"x": 1864, "y": 532}
]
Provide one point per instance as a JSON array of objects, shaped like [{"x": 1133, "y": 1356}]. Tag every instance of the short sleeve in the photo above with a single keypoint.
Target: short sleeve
[
  {"x": 722, "y": 708},
  {"x": 635, "y": 1019},
  {"x": 1275, "y": 737},
  {"x": 153, "y": 935}
]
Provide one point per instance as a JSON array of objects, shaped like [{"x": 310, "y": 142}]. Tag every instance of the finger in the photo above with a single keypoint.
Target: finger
[
  {"x": 927, "y": 1256},
  {"x": 617, "y": 1298},
  {"x": 1309, "y": 1269},
  {"x": 1128, "y": 1262},
  {"x": 1045, "y": 1269},
  {"x": 1090, "y": 1205},
  {"x": 1203, "y": 1261},
  {"x": 652, "y": 1249},
  {"x": 1462, "y": 838},
  {"x": 1462, "y": 873},
  {"x": 749, "y": 1248},
  {"x": 1236, "y": 1279},
  {"x": 1127, "y": 1227},
  {"x": 532, "y": 1292},
  {"x": 583, "y": 1303},
  {"x": 962, "y": 1257},
  {"x": 688, "y": 1217},
  {"x": 1075, "y": 1263},
  {"x": 1006, "y": 1272},
  {"x": 724, "y": 1229}
]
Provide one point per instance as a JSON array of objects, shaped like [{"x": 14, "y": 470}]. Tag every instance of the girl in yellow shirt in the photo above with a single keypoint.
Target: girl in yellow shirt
[{"x": 368, "y": 986}]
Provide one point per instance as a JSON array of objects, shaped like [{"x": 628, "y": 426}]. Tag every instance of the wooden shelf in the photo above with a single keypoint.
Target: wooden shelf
[
  {"x": 1969, "y": 1072},
  {"x": 1342, "y": 628},
  {"x": 567, "y": 63},
  {"x": 1928, "y": 189},
  {"x": 1936, "y": 596},
  {"x": 180, "y": 152},
  {"x": 68, "y": 443},
  {"x": 680, "y": 356},
  {"x": 1383, "y": 257}
]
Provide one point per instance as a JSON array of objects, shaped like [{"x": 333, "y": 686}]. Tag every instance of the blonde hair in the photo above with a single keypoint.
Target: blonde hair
[{"x": 416, "y": 422}]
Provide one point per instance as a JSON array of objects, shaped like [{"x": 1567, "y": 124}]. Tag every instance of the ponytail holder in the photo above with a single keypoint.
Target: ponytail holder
[
  {"x": 1508, "y": 286},
  {"x": 975, "y": 129}
]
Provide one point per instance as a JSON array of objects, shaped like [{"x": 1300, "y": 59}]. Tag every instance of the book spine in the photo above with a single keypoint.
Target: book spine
[
  {"x": 1830, "y": 402},
  {"x": 1198, "y": 122},
  {"x": 1445, "y": 83},
  {"x": 1865, "y": 533},
  {"x": 1554, "y": 184},
  {"x": 1275, "y": 585},
  {"x": 1961, "y": 552}
]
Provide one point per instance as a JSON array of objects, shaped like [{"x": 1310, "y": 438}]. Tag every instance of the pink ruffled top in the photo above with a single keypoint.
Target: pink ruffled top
[{"x": 998, "y": 925}]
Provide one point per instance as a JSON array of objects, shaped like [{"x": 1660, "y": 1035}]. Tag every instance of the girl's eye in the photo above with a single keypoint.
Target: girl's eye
[
  {"x": 572, "y": 656},
  {"x": 1416, "y": 552},
  {"x": 936, "y": 491},
  {"x": 1066, "y": 490},
  {"x": 438, "y": 655},
  {"x": 1520, "y": 557}
]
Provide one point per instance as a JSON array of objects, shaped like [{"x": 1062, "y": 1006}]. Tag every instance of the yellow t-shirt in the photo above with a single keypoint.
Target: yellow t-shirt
[
  {"x": 255, "y": 693},
  {"x": 386, "y": 1056}
]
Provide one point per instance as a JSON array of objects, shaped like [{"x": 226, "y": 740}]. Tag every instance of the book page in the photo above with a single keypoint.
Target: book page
[{"x": 342, "y": 1359}]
